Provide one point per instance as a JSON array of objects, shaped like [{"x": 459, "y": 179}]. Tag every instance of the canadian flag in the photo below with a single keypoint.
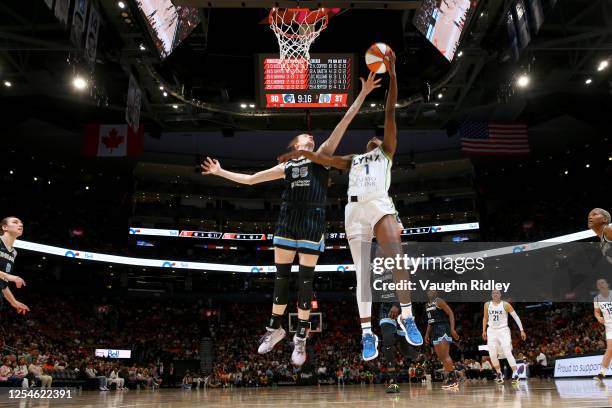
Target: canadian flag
[{"x": 112, "y": 140}]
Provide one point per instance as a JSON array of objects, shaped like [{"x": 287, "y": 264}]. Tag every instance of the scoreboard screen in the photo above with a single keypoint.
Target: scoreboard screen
[{"x": 327, "y": 83}]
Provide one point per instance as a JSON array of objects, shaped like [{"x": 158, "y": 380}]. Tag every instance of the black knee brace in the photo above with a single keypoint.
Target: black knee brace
[
  {"x": 305, "y": 287},
  {"x": 281, "y": 284}
]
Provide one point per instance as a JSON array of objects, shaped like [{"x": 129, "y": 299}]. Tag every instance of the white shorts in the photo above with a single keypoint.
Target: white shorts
[
  {"x": 361, "y": 217},
  {"x": 498, "y": 339}
]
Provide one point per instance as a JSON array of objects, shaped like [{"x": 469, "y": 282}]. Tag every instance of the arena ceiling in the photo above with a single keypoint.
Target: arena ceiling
[{"x": 215, "y": 64}]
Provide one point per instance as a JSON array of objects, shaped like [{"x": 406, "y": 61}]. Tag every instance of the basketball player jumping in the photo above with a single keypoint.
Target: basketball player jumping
[
  {"x": 301, "y": 223},
  {"x": 370, "y": 211},
  {"x": 441, "y": 331},
  {"x": 496, "y": 333},
  {"x": 12, "y": 228},
  {"x": 603, "y": 313}
]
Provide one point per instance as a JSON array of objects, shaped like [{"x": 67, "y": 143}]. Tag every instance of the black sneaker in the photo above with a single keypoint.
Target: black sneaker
[
  {"x": 599, "y": 377},
  {"x": 499, "y": 378},
  {"x": 392, "y": 389}
]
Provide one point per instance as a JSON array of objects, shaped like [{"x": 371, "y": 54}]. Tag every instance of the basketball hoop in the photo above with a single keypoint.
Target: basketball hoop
[{"x": 296, "y": 29}]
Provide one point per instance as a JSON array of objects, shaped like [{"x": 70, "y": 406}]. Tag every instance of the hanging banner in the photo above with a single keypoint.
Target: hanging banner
[
  {"x": 132, "y": 110},
  {"x": 91, "y": 41}
]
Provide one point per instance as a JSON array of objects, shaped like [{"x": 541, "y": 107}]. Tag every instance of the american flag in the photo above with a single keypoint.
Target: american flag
[{"x": 493, "y": 138}]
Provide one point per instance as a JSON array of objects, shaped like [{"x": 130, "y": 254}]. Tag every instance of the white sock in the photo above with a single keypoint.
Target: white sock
[
  {"x": 366, "y": 328},
  {"x": 406, "y": 310}
]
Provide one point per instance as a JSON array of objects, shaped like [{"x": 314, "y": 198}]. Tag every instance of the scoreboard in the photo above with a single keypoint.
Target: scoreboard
[{"x": 327, "y": 83}]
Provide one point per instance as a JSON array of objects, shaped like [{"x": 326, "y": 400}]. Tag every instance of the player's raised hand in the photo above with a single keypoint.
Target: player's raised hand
[
  {"x": 370, "y": 84},
  {"x": 523, "y": 335},
  {"x": 20, "y": 307},
  {"x": 294, "y": 154},
  {"x": 210, "y": 166}
]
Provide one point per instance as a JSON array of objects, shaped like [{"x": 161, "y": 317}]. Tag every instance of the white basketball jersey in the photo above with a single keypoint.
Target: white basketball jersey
[
  {"x": 498, "y": 316},
  {"x": 370, "y": 173},
  {"x": 605, "y": 305}
]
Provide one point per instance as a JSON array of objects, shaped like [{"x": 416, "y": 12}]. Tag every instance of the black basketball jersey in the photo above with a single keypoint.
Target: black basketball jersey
[
  {"x": 305, "y": 183},
  {"x": 435, "y": 314},
  {"x": 7, "y": 261}
]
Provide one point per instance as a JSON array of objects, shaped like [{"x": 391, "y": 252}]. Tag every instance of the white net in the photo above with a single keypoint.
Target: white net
[{"x": 296, "y": 30}]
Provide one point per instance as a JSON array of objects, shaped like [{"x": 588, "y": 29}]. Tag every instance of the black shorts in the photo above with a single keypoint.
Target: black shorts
[
  {"x": 301, "y": 229},
  {"x": 440, "y": 332}
]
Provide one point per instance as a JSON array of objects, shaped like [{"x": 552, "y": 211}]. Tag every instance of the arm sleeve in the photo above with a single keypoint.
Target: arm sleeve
[{"x": 517, "y": 319}]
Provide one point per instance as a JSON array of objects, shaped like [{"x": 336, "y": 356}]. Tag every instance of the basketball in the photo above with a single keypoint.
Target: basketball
[{"x": 375, "y": 58}]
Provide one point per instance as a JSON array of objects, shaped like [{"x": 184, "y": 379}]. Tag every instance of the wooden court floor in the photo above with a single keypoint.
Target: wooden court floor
[{"x": 532, "y": 393}]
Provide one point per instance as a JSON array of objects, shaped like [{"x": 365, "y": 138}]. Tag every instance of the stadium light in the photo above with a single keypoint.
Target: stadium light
[
  {"x": 79, "y": 83},
  {"x": 165, "y": 94},
  {"x": 142, "y": 47},
  {"x": 522, "y": 81},
  {"x": 252, "y": 105},
  {"x": 588, "y": 81},
  {"x": 161, "y": 88},
  {"x": 566, "y": 172},
  {"x": 175, "y": 106},
  {"x": 11, "y": 172},
  {"x": 243, "y": 105},
  {"x": 8, "y": 84},
  {"x": 372, "y": 105},
  {"x": 587, "y": 165},
  {"x": 436, "y": 104},
  {"x": 121, "y": 5},
  {"x": 440, "y": 95},
  {"x": 460, "y": 53},
  {"x": 603, "y": 65}
]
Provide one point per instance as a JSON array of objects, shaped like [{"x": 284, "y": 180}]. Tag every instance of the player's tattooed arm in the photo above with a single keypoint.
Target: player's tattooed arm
[
  {"x": 367, "y": 85},
  {"x": 213, "y": 167},
  {"x": 337, "y": 162}
]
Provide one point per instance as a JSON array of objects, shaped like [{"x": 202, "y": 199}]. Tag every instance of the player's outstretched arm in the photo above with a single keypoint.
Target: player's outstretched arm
[
  {"x": 338, "y": 162},
  {"x": 390, "y": 140},
  {"x": 329, "y": 146},
  {"x": 516, "y": 318},
  {"x": 485, "y": 320},
  {"x": 451, "y": 317},
  {"x": 212, "y": 167},
  {"x": 427, "y": 333}
]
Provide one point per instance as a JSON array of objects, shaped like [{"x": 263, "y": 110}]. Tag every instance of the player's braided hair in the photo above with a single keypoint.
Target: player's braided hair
[{"x": 604, "y": 213}]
